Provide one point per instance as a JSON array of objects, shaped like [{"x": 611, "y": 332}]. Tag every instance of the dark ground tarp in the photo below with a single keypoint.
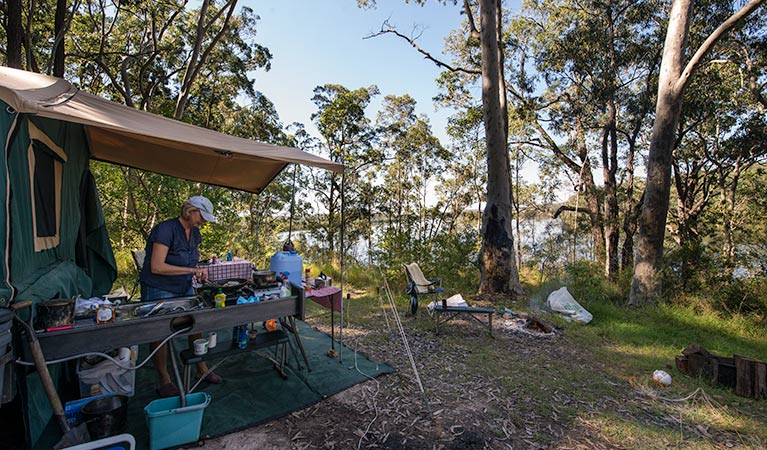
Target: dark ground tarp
[{"x": 253, "y": 392}]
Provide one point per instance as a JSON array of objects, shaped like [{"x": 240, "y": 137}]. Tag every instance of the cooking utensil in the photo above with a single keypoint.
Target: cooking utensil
[
  {"x": 55, "y": 313},
  {"x": 229, "y": 285},
  {"x": 262, "y": 277},
  {"x": 106, "y": 416}
]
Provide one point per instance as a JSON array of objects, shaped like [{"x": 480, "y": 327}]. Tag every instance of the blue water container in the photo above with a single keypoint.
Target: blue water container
[{"x": 288, "y": 262}]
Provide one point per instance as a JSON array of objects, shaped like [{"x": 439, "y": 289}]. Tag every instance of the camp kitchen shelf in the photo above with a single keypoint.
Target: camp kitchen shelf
[{"x": 87, "y": 336}]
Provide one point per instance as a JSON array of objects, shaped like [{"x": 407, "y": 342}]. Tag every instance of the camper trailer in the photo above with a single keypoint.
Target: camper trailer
[{"x": 53, "y": 240}]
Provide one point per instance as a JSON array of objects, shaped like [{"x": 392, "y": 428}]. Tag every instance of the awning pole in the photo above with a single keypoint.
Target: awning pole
[
  {"x": 12, "y": 131},
  {"x": 343, "y": 258}
]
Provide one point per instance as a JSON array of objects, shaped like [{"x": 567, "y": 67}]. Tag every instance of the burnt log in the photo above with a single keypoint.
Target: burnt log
[{"x": 751, "y": 377}]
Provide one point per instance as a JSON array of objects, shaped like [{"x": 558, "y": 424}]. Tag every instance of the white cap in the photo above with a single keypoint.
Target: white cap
[{"x": 205, "y": 207}]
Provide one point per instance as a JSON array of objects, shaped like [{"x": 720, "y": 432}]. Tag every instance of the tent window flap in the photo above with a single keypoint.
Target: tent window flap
[{"x": 45, "y": 176}]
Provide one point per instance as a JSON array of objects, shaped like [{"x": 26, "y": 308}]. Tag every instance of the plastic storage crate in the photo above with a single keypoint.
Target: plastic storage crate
[
  {"x": 170, "y": 425},
  {"x": 107, "y": 378}
]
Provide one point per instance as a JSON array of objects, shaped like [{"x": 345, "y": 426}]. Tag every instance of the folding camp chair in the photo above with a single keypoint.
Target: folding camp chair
[
  {"x": 138, "y": 260},
  {"x": 419, "y": 285}
]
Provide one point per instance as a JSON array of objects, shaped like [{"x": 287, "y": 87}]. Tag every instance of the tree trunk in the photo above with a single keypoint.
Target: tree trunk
[
  {"x": 498, "y": 268},
  {"x": 586, "y": 178},
  {"x": 728, "y": 212},
  {"x": 632, "y": 211},
  {"x": 610, "y": 165},
  {"x": 199, "y": 56},
  {"x": 58, "y": 43},
  {"x": 646, "y": 284},
  {"x": 15, "y": 34},
  {"x": 517, "y": 209},
  {"x": 674, "y": 76}
]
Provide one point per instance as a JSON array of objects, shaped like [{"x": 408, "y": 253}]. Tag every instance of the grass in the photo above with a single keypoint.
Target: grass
[
  {"x": 633, "y": 342},
  {"x": 612, "y": 357},
  {"x": 625, "y": 345}
]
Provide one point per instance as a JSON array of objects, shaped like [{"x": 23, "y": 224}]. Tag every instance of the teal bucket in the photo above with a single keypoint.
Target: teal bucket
[{"x": 170, "y": 425}]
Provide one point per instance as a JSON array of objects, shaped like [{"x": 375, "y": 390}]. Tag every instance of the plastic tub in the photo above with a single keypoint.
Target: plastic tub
[
  {"x": 289, "y": 262},
  {"x": 170, "y": 425}
]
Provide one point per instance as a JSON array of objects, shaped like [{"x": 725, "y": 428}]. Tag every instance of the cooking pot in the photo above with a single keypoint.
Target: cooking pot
[
  {"x": 106, "y": 416},
  {"x": 54, "y": 313},
  {"x": 262, "y": 277}
]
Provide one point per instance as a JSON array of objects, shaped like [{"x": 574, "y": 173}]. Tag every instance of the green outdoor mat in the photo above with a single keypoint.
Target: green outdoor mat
[{"x": 253, "y": 392}]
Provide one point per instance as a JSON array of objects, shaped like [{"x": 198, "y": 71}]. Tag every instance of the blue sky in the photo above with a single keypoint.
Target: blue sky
[{"x": 314, "y": 42}]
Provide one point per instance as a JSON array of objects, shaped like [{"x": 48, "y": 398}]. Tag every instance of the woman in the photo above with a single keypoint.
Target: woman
[{"x": 170, "y": 262}]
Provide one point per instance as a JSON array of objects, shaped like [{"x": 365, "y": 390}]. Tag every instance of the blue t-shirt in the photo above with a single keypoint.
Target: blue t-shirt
[{"x": 181, "y": 252}]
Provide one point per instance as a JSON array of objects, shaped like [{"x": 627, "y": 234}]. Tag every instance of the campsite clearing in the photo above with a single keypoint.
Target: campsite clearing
[{"x": 575, "y": 390}]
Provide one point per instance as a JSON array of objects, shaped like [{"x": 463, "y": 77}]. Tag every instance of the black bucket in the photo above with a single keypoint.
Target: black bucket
[{"x": 106, "y": 416}]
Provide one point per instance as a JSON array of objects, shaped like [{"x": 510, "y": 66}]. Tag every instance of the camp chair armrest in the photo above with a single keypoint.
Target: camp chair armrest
[{"x": 436, "y": 282}]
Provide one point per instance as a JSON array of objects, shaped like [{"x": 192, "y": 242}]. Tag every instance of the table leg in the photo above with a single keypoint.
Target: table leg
[
  {"x": 174, "y": 363},
  {"x": 490, "y": 323},
  {"x": 187, "y": 378},
  {"x": 298, "y": 341},
  {"x": 286, "y": 326},
  {"x": 332, "y": 352}
]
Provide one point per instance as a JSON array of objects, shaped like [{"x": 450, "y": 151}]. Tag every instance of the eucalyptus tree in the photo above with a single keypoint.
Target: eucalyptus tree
[
  {"x": 483, "y": 29},
  {"x": 675, "y": 76},
  {"x": 412, "y": 159},
  {"x": 594, "y": 69},
  {"x": 13, "y": 32},
  {"x": 465, "y": 128},
  {"x": 348, "y": 137},
  {"x": 34, "y": 33},
  {"x": 148, "y": 52},
  {"x": 709, "y": 153},
  {"x": 742, "y": 122}
]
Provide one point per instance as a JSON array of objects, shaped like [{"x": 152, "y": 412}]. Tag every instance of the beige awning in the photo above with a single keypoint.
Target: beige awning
[{"x": 129, "y": 137}]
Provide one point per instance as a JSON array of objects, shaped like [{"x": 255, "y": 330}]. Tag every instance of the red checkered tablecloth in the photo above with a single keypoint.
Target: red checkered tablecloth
[
  {"x": 327, "y": 297},
  {"x": 226, "y": 270}
]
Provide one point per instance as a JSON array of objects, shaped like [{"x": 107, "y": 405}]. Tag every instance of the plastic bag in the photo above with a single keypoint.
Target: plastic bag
[
  {"x": 456, "y": 300},
  {"x": 562, "y": 302}
]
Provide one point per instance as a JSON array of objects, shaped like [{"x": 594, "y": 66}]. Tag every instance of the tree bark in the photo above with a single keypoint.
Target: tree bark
[
  {"x": 586, "y": 178},
  {"x": 58, "y": 42},
  {"x": 15, "y": 34},
  {"x": 674, "y": 76},
  {"x": 498, "y": 268},
  {"x": 610, "y": 164},
  {"x": 199, "y": 56},
  {"x": 646, "y": 284}
]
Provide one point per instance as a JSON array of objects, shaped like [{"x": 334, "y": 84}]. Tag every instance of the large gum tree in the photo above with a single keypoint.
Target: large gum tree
[{"x": 675, "y": 75}]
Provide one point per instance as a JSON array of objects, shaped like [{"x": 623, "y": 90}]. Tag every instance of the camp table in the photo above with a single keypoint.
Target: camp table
[
  {"x": 87, "y": 336},
  {"x": 329, "y": 297}
]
